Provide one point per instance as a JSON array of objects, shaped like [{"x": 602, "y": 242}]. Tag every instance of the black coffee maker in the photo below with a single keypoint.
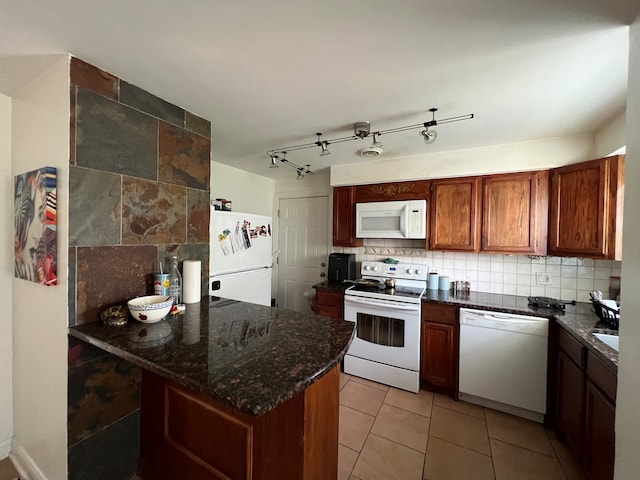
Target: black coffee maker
[{"x": 342, "y": 266}]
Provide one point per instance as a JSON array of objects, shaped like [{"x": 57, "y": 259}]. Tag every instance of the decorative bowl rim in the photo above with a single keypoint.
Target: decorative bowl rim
[{"x": 150, "y": 302}]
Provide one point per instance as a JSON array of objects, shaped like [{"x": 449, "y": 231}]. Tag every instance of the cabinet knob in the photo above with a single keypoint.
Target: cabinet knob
[
  {"x": 323, "y": 264},
  {"x": 322, "y": 274}
]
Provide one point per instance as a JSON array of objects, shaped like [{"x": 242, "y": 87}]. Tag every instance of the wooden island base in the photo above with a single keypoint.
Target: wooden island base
[{"x": 187, "y": 435}]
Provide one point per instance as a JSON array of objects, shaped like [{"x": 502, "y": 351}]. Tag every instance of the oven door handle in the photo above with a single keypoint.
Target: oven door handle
[{"x": 394, "y": 306}]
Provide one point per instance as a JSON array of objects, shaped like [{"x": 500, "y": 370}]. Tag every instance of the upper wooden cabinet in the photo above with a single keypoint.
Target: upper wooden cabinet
[
  {"x": 344, "y": 217},
  {"x": 586, "y": 209},
  {"x": 504, "y": 213},
  {"x": 384, "y": 192},
  {"x": 454, "y": 213},
  {"x": 515, "y": 213}
]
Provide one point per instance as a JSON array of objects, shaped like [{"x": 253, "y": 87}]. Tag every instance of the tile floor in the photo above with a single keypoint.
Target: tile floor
[{"x": 390, "y": 434}]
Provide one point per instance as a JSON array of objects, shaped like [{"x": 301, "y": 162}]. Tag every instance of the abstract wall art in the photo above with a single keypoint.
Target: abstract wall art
[{"x": 35, "y": 226}]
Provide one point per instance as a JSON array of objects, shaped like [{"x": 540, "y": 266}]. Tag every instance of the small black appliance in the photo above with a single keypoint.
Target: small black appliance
[{"x": 342, "y": 266}]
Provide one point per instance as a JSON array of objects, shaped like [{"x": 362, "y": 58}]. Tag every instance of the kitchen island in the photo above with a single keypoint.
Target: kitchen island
[{"x": 234, "y": 390}]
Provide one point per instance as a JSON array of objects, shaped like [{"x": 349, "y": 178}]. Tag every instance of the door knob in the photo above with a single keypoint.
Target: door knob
[{"x": 322, "y": 274}]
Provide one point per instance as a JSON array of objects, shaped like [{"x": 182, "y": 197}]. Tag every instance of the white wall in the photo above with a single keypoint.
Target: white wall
[
  {"x": 611, "y": 138},
  {"x": 248, "y": 192},
  {"x": 627, "y": 418},
  {"x": 6, "y": 275},
  {"x": 40, "y": 137},
  {"x": 537, "y": 155}
]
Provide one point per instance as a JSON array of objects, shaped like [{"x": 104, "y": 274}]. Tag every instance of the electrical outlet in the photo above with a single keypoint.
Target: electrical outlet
[{"x": 543, "y": 278}]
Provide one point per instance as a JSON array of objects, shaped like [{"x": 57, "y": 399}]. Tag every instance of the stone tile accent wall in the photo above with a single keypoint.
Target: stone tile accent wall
[
  {"x": 139, "y": 176},
  {"x": 138, "y": 194}
]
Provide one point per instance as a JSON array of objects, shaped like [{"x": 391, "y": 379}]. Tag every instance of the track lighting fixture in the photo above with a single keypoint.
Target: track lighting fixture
[
  {"x": 283, "y": 159},
  {"x": 361, "y": 130},
  {"x": 429, "y": 134}
]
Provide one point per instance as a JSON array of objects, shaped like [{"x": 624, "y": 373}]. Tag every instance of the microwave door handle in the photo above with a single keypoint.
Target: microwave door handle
[{"x": 404, "y": 220}]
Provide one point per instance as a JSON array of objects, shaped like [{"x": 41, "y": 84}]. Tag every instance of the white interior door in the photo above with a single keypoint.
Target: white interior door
[{"x": 303, "y": 245}]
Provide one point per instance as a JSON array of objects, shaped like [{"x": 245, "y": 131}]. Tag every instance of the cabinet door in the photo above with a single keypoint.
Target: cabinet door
[
  {"x": 344, "y": 217},
  {"x": 570, "y": 404},
  {"x": 586, "y": 209},
  {"x": 454, "y": 214},
  {"x": 330, "y": 303},
  {"x": 514, "y": 213},
  {"x": 438, "y": 365},
  {"x": 599, "y": 434},
  {"x": 440, "y": 338}
]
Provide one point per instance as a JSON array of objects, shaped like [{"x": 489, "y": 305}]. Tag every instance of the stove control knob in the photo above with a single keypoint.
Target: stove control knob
[
  {"x": 375, "y": 268},
  {"x": 410, "y": 271},
  {"x": 367, "y": 267},
  {"x": 418, "y": 272}
]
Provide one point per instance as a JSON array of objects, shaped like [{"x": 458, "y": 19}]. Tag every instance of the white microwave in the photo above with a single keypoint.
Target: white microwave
[{"x": 404, "y": 219}]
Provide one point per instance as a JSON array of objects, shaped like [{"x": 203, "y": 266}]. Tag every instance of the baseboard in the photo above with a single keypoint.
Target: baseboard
[
  {"x": 5, "y": 447},
  {"x": 24, "y": 464}
]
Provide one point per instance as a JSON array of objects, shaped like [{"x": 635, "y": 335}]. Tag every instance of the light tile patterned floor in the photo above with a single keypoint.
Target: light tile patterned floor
[{"x": 390, "y": 434}]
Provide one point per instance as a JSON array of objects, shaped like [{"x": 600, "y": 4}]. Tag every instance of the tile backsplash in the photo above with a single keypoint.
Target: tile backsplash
[{"x": 571, "y": 278}]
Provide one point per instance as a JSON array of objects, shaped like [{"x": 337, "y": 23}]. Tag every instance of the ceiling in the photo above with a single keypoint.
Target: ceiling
[{"x": 269, "y": 74}]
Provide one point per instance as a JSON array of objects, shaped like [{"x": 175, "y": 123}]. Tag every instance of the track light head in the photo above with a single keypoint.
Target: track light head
[
  {"x": 429, "y": 134},
  {"x": 274, "y": 161}
]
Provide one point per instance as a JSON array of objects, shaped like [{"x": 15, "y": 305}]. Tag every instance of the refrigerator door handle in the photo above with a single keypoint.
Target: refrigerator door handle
[{"x": 239, "y": 273}]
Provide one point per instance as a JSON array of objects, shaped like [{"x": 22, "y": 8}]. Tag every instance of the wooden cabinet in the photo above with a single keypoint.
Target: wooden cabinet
[
  {"x": 585, "y": 406},
  {"x": 440, "y": 335},
  {"x": 504, "y": 213},
  {"x": 185, "y": 434},
  {"x": 383, "y": 192},
  {"x": 330, "y": 303},
  {"x": 455, "y": 214},
  {"x": 570, "y": 404},
  {"x": 515, "y": 213},
  {"x": 600, "y": 411},
  {"x": 344, "y": 217},
  {"x": 586, "y": 201}
]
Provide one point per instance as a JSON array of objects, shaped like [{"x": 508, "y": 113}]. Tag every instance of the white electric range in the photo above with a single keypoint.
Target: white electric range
[{"x": 386, "y": 346}]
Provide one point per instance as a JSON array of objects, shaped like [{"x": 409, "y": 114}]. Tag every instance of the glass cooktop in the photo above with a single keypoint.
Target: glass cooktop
[{"x": 404, "y": 293}]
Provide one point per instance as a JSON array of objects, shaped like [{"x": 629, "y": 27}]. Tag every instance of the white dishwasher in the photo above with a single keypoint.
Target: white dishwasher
[{"x": 503, "y": 362}]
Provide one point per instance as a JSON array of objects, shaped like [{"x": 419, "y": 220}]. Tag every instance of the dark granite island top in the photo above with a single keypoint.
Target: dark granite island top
[{"x": 249, "y": 357}]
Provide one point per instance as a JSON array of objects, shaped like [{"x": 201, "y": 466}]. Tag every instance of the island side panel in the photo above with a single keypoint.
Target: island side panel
[
  {"x": 185, "y": 434},
  {"x": 322, "y": 408}
]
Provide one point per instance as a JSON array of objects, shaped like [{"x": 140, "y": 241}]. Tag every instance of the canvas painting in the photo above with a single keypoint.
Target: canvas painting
[{"x": 34, "y": 226}]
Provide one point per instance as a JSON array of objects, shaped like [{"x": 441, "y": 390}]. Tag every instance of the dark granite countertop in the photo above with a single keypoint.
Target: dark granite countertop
[
  {"x": 332, "y": 286},
  {"x": 579, "y": 319},
  {"x": 248, "y": 356}
]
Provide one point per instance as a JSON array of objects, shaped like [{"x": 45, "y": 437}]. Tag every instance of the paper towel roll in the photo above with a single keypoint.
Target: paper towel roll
[{"x": 191, "y": 281}]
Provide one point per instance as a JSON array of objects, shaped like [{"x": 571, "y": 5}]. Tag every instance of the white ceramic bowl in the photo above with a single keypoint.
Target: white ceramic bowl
[{"x": 150, "y": 308}]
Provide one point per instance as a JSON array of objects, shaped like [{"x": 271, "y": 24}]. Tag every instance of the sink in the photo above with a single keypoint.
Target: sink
[{"x": 611, "y": 340}]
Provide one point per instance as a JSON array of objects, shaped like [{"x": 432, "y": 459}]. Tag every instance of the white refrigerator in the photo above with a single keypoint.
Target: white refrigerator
[{"x": 240, "y": 258}]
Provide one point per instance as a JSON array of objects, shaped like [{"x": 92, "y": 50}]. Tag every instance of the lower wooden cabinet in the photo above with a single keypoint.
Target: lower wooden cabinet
[
  {"x": 330, "y": 303},
  {"x": 599, "y": 434},
  {"x": 184, "y": 434},
  {"x": 570, "y": 404},
  {"x": 440, "y": 337},
  {"x": 585, "y": 406}
]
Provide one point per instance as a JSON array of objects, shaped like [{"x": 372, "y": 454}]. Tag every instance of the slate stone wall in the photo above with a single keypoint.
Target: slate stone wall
[{"x": 138, "y": 194}]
